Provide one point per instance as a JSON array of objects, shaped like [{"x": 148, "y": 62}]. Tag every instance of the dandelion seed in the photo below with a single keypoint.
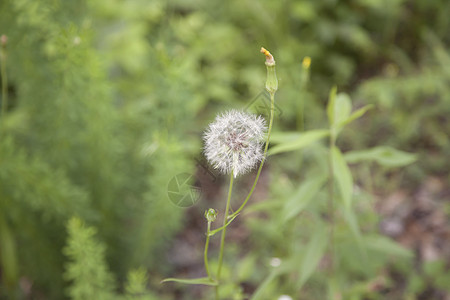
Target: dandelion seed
[
  {"x": 275, "y": 262},
  {"x": 233, "y": 142}
]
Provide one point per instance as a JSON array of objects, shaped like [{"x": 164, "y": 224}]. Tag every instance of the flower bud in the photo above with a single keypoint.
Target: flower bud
[
  {"x": 211, "y": 215},
  {"x": 271, "y": 81},
  {"x": 306, "y": 62}
]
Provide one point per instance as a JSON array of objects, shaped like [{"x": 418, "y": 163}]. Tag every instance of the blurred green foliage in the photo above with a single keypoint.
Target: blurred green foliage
[{"x": 107, "y": 100}]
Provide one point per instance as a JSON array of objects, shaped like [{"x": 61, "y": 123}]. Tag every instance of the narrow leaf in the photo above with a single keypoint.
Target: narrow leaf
[
  {"x": 284, "y": 137},
  {"x": 383, "y": 155},
  {"x": 356, "y": 114},
  {"x": 386, "y": 245},
  {"x": 259, "y": 293},
  {"x": 305, "y": 193},
  {"x": 314, "y": 252},
  {"x": 286, "y": 267},
  {"x": 342, "y": 108},
  {"x": 267, "y": 205},
  {"x": 330, "y": 106},
  {"x": 343, "y": 177},
  {"x": 352, "y": 222},
  {"x": 202, "y": 281},
  {"x": 303, "y": 140}
]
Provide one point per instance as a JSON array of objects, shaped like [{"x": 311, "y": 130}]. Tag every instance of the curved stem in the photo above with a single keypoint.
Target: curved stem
[
  {"x": 272, "y": 107},
  {"x": 206, "y": 251},
  {"x": 222, "y": 242}
]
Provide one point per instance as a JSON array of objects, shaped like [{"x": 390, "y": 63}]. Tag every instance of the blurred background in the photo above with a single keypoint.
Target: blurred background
[{"x": 104, "y": 102}]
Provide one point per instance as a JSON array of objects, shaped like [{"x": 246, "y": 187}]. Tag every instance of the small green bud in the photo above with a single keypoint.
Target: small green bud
[
  {"x": 211, "y": 215},
  {"x": 271, "y": 81}
]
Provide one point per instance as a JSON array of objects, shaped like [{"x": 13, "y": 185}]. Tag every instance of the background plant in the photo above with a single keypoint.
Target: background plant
[{"x": 107, "y": 99}]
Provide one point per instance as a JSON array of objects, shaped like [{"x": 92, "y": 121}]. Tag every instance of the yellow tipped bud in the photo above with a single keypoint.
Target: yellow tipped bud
[
  {"x": 306, "y": 62},
  {"x": 269, "y": 57},
  {"x": 266, "y": 53},
  {"x": 272, "y": 81}
]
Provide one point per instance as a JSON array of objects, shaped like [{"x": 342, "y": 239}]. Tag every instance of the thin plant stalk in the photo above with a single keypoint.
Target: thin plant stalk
[
  {"x": 4, "y": 82},
  {"x": 206, "y": 251},
  {"x": 222, "y": 241},
  {"x": 272, "y": 108},
  {"x": 301, "y": 115},
  {"x": 303, "y": 84},
  {"x": 331, "y": 213}
]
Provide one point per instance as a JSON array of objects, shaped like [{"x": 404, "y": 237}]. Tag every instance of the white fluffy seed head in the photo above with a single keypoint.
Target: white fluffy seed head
[{"x": 234, "y": 141}]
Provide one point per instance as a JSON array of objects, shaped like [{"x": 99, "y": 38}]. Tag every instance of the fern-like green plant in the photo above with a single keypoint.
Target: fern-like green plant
[{"x": 87, "y": 270}]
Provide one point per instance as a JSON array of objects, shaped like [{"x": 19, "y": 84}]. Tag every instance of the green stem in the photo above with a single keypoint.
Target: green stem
[
  {"x": 272, "y": 108},
  {"x": 301, "y": 116},
  {"x": 8, "y": 258},
  {"x": 301, "y": 113},
  {"x": 222, "y": 242},
  {"x": 206, "y": 251},
  {"x": 331, "y": 202},
  {"x": 4, "y": 82}
]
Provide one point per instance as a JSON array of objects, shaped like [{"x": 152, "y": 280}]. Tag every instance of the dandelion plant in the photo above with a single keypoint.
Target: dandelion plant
[{"x": 234, "y": 145}]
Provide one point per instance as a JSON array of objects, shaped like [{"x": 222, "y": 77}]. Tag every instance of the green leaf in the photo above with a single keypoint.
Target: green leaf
[
  {"x": 383, "y": 155},
  {"x": 314, "y": 252},
  {"x": 300, "y": 141},
  {"x": 339, "y": 110},
  {"x": 287, "y": 266},
  {"x": 357, "y": 114},
  {"x": 331, "y": 105},
  {"x": 202, "y": 281},
  {"x": 352, "y": 222},
  {"x": 354, "y": 236},
  {"x": 342, "y": 108},
  {"x": 343, "y": 177},
  {"x": 267, "y": 205},
  {"x": 284, "y": 137},
  {"x": 386, "y": 245},
  {"x": 258, "y": 294},
  {"x": 305, "y": 193}
]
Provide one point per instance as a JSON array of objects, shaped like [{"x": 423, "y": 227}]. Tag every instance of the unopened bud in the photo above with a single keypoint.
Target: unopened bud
[
  {"x": 271, "y": 81},
  {"x": 211, "y": 215},
  {"x": 306, "y": 62}
]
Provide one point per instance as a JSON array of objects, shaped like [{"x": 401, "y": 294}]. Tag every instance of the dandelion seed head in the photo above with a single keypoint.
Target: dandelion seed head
[
  {"x": 233, "y": 142},
  {"x": 275, "y": 262}
]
